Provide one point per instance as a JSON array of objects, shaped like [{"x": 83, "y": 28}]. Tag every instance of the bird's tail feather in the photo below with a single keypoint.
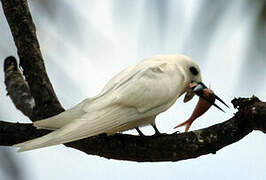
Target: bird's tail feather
[{"x": 89, "y": 125}]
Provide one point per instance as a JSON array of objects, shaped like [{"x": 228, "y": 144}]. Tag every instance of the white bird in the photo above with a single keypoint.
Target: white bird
[{"x": 133, "y": 98}]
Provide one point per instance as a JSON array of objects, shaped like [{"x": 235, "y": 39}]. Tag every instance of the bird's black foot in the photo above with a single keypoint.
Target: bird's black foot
[
  {"x": 139, "y": 131},
  {"x": 157, "y": 132}
]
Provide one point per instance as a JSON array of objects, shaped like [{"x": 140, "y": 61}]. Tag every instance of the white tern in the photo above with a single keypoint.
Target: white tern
[{"x": 131, "y": 99}]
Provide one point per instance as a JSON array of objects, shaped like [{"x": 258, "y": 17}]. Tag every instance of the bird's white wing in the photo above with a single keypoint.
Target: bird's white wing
[
  {"x": 92, "y": 104},
  {"x": 155, "y": 85},
  {"x": 151, "y": 89}
]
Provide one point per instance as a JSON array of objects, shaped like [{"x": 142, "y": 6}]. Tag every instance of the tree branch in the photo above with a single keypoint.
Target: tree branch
[
  {"x": 24, "y": 33},
  {"x": 251, "y": 115},
  {"x": 17, "y": 88}
]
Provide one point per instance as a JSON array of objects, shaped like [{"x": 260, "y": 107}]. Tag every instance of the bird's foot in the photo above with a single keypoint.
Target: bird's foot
[
  {"x": 157, "y": 132},
  {"x": 139, "y": 131}
]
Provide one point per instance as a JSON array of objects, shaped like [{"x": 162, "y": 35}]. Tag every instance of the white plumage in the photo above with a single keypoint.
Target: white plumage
[{"x": 131, "y": 99}]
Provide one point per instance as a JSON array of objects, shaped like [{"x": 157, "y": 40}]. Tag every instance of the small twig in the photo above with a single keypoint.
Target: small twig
[{"x": 18, "y": 90}]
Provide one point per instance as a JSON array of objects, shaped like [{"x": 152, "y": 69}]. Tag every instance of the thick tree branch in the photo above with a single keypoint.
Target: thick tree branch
[
  {"x": 251, "y": 115},
  {"x": 23, "y": 30},
  {"x": 17, "y": 88}
]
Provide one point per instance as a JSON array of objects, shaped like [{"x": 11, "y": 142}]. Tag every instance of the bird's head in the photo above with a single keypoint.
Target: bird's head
[{"x": 194, "y": 84}]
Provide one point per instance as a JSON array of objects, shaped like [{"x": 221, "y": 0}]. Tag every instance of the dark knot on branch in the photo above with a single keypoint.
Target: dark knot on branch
[
  {"x": 10, "y": 62},
  {"x": 251, "y": 110},
  {"x": 243, "y": 103}
]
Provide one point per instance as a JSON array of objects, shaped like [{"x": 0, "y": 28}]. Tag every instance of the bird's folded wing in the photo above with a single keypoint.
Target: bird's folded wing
[
  {"x": 153, "y": 86},
  {"x": 90, "y": 104}
]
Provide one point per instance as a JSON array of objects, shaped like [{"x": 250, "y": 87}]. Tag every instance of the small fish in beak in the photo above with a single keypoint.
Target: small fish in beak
[{"x": 206, "y": 100}]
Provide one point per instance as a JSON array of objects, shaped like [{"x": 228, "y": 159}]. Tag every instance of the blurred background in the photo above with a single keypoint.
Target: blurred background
[{"x": 85, "y": 43}]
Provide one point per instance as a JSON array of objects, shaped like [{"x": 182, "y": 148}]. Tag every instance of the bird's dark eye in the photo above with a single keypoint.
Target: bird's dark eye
[{"x": 193, "y": 70}]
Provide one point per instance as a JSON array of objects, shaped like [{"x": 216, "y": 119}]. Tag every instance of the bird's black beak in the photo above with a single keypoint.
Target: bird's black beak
[{"x": 205, "y": 93}]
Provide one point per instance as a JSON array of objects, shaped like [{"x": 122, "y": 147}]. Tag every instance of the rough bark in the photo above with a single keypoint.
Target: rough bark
[{"x": 251, "y": 113}]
